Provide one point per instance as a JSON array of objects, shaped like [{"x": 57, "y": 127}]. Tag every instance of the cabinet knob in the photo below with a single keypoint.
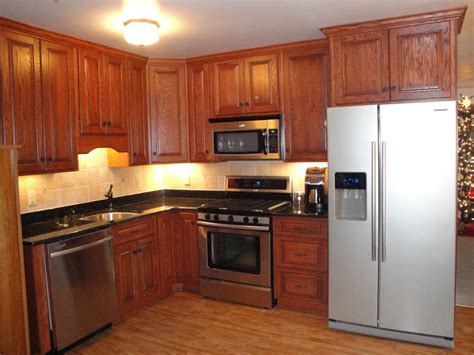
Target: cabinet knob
[
  {"x": 49, "y": 158},
  {"x": 154, "y": 153},
  {"x": 103, "y": 124},
  {"x": 109, "y": 124},
  {"x": 207, "y": 152},
  {"x": 385, "y": 89},
  {"x": 42, "y": 159},
  {"x": 247, "y": 104},
  {"x": 135, "y": 154},
  {"x": 393, "y": 88},
  {"x": 241, "y": 104}
]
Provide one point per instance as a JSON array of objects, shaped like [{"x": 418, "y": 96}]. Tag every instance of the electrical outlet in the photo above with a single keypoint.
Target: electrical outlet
[
  {"x": 138, "y": 183},
  {"x": 187, "y": 180},
  {"x": 32, "y": 198}
]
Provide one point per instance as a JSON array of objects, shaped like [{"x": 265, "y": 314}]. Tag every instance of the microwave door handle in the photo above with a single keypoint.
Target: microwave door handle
[{"x": 266, "y": 144}]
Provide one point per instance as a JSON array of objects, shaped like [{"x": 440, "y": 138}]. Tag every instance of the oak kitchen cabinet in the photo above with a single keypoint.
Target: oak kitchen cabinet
[
  {"x": 138, "y": 120},
  {"x": 136, "y": 264},
  {"x": 168, "y": 123},
  {"x": 245, "y": 85},
  {"x": 399, "y": 59},
  {"x": 39, "y": 102},
  {"x": 305, "y": 76},
  {"x": 198, "y": 112},
  {"x": 301, "y": 262}
]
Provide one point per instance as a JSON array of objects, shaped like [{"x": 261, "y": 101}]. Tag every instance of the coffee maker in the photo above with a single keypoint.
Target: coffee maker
[{"x": 314, "y": 190}]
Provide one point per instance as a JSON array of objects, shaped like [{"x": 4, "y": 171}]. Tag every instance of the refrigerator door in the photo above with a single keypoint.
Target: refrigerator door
[
  {"x": 353, "y": 268},
  {"x": 418, "y": 217}
]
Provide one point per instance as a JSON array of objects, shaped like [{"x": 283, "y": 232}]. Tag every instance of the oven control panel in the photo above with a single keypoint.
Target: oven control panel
[{"x": 234, "y": 219}]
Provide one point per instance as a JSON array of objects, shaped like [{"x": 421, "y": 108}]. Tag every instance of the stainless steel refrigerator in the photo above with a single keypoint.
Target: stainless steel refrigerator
[{"x": 392, "y": 220}]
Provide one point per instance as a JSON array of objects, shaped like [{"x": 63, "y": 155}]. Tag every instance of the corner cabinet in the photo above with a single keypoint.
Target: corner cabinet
[
  {"x": 305, "y": 73},
  {"x": 198, "y": 112},
  {"x": 245, "y": 86},
  {"x": 397, "y": 59},
  {"x": 168, "y": 124},
  {"x": 138, "y": 121},
  {"x": 39, "y": 101}
]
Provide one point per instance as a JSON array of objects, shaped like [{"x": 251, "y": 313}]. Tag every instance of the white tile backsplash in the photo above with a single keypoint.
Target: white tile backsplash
[{"x": 94, "y": 177}]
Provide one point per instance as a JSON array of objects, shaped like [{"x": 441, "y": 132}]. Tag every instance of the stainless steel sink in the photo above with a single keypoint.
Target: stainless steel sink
[{"x": 109, "y": 216}]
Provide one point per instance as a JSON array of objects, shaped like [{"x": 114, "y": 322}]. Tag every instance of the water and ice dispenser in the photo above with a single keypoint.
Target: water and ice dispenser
[{"x": 351, "y": 196}]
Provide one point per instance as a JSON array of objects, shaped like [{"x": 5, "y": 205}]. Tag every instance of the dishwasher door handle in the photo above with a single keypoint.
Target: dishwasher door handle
[{"x": 80, "y": 247}]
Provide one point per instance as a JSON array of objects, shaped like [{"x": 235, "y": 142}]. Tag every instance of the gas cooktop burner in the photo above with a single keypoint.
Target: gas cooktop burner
[{"x": 243, "y": 205}]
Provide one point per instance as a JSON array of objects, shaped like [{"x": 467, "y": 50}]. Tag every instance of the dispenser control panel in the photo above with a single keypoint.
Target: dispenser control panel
[{"x": 352, "y": 181}]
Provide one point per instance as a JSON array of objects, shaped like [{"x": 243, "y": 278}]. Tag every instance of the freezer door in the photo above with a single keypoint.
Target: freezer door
[
  {"x": 353, "y": 268},
  {"x": 418, "y": 226}
]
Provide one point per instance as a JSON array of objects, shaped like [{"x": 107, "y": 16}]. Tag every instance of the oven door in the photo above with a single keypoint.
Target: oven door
[{"x": 237, "y": 255}]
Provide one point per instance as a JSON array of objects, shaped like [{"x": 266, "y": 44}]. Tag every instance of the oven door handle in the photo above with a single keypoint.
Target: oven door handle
[{"x": 233, "y": 226}]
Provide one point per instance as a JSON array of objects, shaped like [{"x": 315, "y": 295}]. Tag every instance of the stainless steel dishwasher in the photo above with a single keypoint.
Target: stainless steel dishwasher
[{"x": 81, "y": 286}]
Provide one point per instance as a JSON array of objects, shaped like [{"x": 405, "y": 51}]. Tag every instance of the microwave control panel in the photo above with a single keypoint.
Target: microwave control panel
[{"x": 273, "y": 140}]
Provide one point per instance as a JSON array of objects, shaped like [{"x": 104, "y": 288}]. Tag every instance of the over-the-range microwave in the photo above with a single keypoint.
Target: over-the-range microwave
[{"x": 246, "y": 138}]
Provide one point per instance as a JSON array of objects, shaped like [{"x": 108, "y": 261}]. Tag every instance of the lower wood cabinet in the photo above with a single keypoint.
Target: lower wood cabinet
[
  {"x": 301, "y": 264},
  {"x": 136, "y": 264}
]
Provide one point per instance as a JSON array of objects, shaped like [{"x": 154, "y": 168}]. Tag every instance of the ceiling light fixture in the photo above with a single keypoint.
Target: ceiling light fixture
[{"x": 141, "y": 32}]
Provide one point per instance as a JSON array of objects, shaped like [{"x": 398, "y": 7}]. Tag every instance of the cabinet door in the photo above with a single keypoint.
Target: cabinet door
[
  {"x": 168, "y": 113},
  {"x": 22, "y": 117},
  {"x": 198, "y": 112},
  {"x": 305, "y": 95},
  {"x": 91, "y": 92},
  {"x": 116, "y": 91},
  {"x": 144, "y": 253},
  {"x": 190, "y": 262},
  {"x": 420, "y": 62},
  {"x": 227, "y": 88},
  {"x": 59, "y": 80},
  {"x": 360, "y": 68},
  {"x": 261, "y": 84},
  {"x": 138, "y": 124},
  {"x": 125, "y": 270},
  {"x": 164, "y": 228}
]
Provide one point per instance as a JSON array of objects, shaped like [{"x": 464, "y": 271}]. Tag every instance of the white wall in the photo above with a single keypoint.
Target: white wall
[{"x": 94, "y": 177}]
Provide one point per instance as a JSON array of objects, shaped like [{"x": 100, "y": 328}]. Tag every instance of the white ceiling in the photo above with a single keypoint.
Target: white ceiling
[{"x": 196, "y": 27}]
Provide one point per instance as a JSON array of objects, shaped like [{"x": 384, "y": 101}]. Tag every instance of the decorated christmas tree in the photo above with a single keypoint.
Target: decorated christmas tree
[{"x": 465, "y": 159}]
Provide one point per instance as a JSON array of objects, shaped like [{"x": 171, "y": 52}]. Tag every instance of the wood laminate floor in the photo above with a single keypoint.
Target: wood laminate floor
[{"x": 189, "y": 323}]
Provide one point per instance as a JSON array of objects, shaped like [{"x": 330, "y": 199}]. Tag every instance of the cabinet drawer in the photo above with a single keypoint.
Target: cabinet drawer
[
  {"x": 301, "y": 289},
  {"x": 127, "y": 232},
  {"x": 309, "y": 227},
  {"x": 291, "y": 252}
]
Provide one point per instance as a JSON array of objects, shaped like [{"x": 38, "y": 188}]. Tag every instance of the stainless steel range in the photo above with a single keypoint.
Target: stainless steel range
[{"x": 235, "y": 240}]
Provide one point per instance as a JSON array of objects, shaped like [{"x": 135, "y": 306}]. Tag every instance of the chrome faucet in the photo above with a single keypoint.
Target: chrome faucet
[{"x": 110, "y": 196}]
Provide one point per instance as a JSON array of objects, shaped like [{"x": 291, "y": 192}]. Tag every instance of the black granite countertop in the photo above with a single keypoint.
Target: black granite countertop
[{"x": 42, "y": 227}]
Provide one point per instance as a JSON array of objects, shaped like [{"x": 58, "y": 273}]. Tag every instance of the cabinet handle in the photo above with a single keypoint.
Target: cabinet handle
[
  {"x": 385, "y": 89},
  {"x": 154, "y": 153},
  {"x": 241, "y": 104},
  {"x": 103, "y": 124},
  {"x": 301, "y": 254},
  {"x": 393, "y": 88},
  {"x": 301, "y": 286},
  {"x": 109, "y": 124},
  {"x": 247, "y": 104}
]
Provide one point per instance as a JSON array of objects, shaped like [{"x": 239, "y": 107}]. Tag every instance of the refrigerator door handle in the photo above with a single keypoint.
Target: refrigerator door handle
[
  {"x": 384, "y": 202},
  {"x": 374, "y": 201}
]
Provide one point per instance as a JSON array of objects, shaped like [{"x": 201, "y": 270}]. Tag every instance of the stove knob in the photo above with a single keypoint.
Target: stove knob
[
  {"x": 255, "y": 220},
  {"x": 230, "y": 218},
  {"x": 207, "y": 216},
  {"x": 216, "y": 217},
  {"x": 246, "y": 220}
]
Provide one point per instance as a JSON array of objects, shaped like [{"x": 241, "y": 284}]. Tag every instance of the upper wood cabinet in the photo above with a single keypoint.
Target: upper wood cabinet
[
  {"x": 168, "y": 124},
  {"x": 305, "y": 73},
  {"x": 138, "y": 122},
  {"x": 39, "y": 102},
  {"x": 103, "y": 90},
  {"x": 198, "y": 112},
  {"x": 397, "y": 59},
  {"x": 245, "y": 86},
  {"x": 361, "y": 68},
  {"x": 59, "y": 88}
]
